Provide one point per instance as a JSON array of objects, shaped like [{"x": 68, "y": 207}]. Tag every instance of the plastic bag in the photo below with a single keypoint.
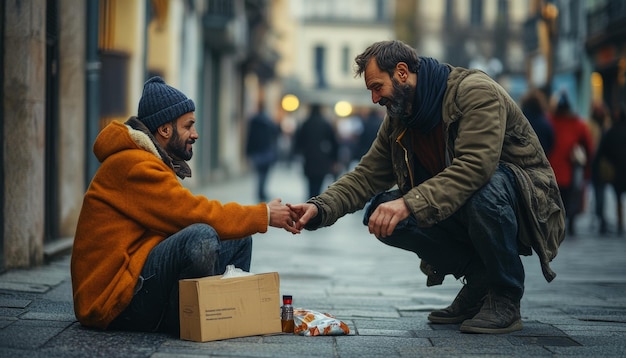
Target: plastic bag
[
  {"x": 232, "y": 271},
  {"x": 313, "y": 323}
]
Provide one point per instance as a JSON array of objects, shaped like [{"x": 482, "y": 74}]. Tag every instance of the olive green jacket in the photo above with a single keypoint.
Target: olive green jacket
[{"x": 483, "y": 126}]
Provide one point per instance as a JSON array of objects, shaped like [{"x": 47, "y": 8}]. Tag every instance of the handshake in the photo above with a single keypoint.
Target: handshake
[
  {"x": 290, "y": 217},
  {"x": 381, "y": 223}
]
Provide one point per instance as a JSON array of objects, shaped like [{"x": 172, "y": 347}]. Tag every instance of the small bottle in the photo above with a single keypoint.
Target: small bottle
[{"x": 286, "y": 315}]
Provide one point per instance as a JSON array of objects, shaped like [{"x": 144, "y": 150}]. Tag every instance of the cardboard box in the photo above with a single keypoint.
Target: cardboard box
[{"x": 212, "y": 308}]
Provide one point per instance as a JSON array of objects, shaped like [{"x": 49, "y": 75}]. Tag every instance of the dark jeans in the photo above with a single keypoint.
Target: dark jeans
[
  {"x": 315, "y": 184},
  {"x": 193, "y": 252},
  {"x": 598, "y": 191},
  {"x": 261, "y": 184},
  {"x": 481, "y": 237}
]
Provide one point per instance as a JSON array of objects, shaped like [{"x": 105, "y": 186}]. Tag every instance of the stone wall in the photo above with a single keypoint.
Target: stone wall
[
  {"x": 72, "y": 113},
  {"x": 24, "y": 132}
]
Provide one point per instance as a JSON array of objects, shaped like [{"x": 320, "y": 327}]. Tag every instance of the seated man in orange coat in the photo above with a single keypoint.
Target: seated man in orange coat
[{"x": 140, "y": 230}]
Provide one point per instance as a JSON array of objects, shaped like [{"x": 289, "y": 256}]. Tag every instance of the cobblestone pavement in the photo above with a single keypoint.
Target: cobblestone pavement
[{"x": 377, "y": 290}]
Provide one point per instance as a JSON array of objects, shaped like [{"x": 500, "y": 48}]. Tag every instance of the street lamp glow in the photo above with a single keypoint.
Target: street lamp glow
[
  {"x": 597, "y": 83},
  {"x": 550, "y": 11},
  {"x": 343, "y": 108},
  {"x": 290, "y": 103}
]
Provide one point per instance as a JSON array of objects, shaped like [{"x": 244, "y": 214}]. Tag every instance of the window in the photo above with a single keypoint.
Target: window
[
  {"x": 345, "y": 60},
  {"x": 320, "y": 66},
  {"x": 476, "y": 13},
  {"x": 449, "y": 16}
]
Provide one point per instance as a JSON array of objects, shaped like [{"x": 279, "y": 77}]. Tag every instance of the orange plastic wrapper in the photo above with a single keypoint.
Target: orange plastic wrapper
[{"x": 313, "y": 323}]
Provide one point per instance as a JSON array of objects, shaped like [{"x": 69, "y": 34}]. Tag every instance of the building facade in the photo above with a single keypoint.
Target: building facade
[
  {"x": 320, "y": 44},
  {"x": 483, "y": 34}
]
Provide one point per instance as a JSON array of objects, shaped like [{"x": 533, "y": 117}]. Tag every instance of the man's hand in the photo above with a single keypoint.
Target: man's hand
[
  {"x": 281, "y": 216},
  {"x": 304, "y": 212},
  {"x": 386, "y": 216}
]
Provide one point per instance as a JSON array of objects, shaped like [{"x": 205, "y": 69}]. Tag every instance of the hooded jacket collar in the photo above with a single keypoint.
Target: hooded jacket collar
[
  {"x": 138, "y": 132},
  {"x": 112, "y": 140}
]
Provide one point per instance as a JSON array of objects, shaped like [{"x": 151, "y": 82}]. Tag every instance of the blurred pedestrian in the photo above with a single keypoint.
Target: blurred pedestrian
[
  {"x": 601, "y": 170},
  {"x": 534, "y": 105},
  {"x": 613, "y": 148},
  {"x": 570, "y": 157},
  {"x": 140, "y": 231},
  {"x": 262, "y": 148},
  {"x": 371, "y": 122},
  {"x": 470, "y": 198},
  {"x": 348, "y": 130},
  {"x": 288, "y": 126},
  {"x": 316, "y": 141}
]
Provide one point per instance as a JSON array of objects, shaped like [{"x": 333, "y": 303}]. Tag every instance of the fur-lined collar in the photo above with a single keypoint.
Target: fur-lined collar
[{"x": 142, "y": 136}]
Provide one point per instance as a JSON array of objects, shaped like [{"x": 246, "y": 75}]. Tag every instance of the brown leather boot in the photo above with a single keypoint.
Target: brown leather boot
[
  {"x": 499, "y": 314},
  {"x": 465, "y": 306}
]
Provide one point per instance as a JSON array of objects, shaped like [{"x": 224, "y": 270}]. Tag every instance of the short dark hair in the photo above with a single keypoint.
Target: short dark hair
[
  {"x": 387, "y": 55},
  {"x": 534, "y": 102}
]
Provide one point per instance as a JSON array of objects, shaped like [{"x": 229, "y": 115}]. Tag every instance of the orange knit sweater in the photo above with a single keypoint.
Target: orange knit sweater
[{"x": 134, "y": 202}]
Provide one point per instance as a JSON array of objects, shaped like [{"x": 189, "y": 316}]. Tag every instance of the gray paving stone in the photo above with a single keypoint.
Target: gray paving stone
[
  {"x": 14, "y": 303},
  {"x": 475, "y": 351},
  {"x": 7, "y": 313},
  {"x": 5, "y": 322},
  {"x": 24, "y": 287},
  {"x": 385, "y": 332},
  {"x": 589, "y": 351},
  {"x": 376, "y": 345},
  {"x": 93, "y": 343},
  {"x": 272, "y": 346},
  {"x": 25, "y": 334},
  {"x": 544, "y": 341},
  {"x": 45, "y": 316},
  {"x": 50, "y": 275},
  {"x": 472, "y": 340},
  {"x": 402, "y": 323},
  {"x": 354, "y": 313}
]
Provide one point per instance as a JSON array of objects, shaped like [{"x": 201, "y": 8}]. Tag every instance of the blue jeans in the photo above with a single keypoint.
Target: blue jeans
[
  {"x": 480, "y": 238},
  {"x": 193, "y": 252}
]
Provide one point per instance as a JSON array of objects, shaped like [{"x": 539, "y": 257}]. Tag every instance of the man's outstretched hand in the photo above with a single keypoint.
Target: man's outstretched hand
[
  {"x": 282, "y": 216},
  {"x": 304, "y": 212}
]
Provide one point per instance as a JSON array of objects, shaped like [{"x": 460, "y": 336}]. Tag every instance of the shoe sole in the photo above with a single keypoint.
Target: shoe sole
[
  {"x": 449, "y": 320},
  {"x": 515, "y": 326}
]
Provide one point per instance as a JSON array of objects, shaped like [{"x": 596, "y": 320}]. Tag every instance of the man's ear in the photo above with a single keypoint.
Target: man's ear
[
  {"x": 402, "y": 70},
  {"x": 165, "y": 130}
]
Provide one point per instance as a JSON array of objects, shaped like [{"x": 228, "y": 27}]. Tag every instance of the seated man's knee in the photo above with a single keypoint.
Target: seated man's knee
[
  {"x": 203, "y": 242},
  {"x": 246, "y": 242}
]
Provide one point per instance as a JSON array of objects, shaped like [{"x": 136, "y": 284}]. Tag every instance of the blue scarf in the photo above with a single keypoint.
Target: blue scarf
[{"x": 432, "y": 79}]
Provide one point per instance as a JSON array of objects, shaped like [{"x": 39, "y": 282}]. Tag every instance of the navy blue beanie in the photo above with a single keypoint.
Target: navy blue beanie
[{"x": 160, "y": 104}]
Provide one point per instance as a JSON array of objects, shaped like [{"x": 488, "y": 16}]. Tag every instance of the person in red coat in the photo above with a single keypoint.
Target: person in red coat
[{"x": 570, "y": 157}]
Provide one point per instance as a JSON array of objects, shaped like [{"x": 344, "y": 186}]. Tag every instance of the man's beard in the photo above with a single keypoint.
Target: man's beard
[
  {"x": 401, "y": 100},
  {"x": 177, "y": 147}
]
